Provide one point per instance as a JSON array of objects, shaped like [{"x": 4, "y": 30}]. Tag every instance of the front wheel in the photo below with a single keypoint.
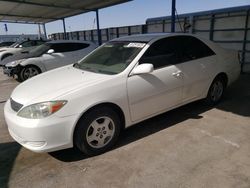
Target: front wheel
[
  {"x": 216, "y": 91},
  {"x": 28, "y": 72},
  {"x": 97, "y": 131}
]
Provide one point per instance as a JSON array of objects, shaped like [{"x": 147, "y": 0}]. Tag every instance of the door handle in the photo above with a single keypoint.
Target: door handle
[{"x": 177, "y": 74}]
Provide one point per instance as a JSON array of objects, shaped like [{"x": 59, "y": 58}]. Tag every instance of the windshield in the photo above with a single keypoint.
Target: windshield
[
  {"x": 39, "y": 50},
  {"x": 14, "y": 45},
  {"x": 111, "y": 58}
]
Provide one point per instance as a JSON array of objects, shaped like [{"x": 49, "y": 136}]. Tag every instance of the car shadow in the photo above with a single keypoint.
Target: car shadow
[
  {"x": 143, "y": 129},
  {"x": 8, "y": 154},
  {"x": 236, "y": 100},
  {"x": 237, "y": 97}
]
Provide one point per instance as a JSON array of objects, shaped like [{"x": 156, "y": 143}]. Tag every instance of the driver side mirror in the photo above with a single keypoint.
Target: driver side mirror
[
  {"x": 50, "y": 51},
  {"x": 145, "y": 68}
]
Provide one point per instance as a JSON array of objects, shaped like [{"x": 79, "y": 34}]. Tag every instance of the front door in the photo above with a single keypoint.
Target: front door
[{"x": 153, "y": 93}]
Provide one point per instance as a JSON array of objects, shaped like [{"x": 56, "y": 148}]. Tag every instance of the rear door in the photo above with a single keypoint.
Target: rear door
[{"x": 197, "y": 59}]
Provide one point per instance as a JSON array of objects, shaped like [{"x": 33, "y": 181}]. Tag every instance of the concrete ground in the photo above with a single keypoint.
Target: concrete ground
[{"x": 193, "y": 146}]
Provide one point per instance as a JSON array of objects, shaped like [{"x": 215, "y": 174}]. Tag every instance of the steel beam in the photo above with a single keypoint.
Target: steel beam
[
  {"x": 44, "y": 5},
  {"x": 32, "y": 17}
]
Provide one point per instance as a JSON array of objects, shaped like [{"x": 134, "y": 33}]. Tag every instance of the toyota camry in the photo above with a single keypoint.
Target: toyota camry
[{"x": 121, "y": 83}]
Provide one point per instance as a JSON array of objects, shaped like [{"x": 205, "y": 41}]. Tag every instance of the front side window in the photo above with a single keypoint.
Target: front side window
[
  {"x": 39, "y": 50},
  {"x": 59, "y": 47},
  {"x": 163, "y": 52},
  {"x": 112, "y": 57},
  {"x": 68, "y": 47}
]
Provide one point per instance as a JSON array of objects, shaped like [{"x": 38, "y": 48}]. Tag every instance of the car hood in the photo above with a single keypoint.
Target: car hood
[
  {"x": 16, "y": 57},
  {"x": 53, "y": 84},
  {"x": 3, "y": 49}
]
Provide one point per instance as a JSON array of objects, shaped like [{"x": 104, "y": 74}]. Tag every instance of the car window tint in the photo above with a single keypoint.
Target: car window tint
[
  {"x": 163, "y": 52},
  {"x": 193, "y": 48},
  {"x": 40, "y": 42},
  {"x": 79, "y": 46},
  {"x": 28, "y": 44},
  {"x": 174, "y": 50},
  {"x": 68, "y": 47}
]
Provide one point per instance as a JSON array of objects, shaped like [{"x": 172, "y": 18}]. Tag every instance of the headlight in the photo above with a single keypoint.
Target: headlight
[
  {"x": 14, "y": 63},
  {"x": 41, "y": 110}
]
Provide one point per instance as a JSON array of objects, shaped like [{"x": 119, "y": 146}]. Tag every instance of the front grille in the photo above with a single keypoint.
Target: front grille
[{"x": 15, "y": 105}]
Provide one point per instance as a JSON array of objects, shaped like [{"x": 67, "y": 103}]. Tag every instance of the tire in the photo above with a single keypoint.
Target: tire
[
  {"x": 28, "y": 72},
  {"x": 97, "y": 131},
  {"x": 216, "y": 91}
]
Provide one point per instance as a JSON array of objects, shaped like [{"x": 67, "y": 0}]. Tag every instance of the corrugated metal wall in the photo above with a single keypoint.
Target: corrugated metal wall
[{"x": 228, "y": 27}]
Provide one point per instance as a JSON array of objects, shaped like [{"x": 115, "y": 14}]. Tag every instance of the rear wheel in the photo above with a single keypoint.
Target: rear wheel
[
  {"x": 28, "y": 72},
  {"x": 216, "y": 91},
  {"x": 97, "y": 131}
]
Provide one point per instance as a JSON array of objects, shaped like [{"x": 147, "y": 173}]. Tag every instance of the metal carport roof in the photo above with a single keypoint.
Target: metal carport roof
[{"x": 44, "y": 11}]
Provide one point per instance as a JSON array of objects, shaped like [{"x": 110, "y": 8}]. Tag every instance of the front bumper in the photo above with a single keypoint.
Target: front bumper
[
  {"x": 41, "y": 135},
  {"x": 11, "y": 71}
]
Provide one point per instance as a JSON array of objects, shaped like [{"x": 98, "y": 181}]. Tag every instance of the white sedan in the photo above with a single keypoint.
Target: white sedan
[
  {"x": 19, "y": 48},
  {"x": 48, "y": 56},
  {"x": 121, "y": 83}
]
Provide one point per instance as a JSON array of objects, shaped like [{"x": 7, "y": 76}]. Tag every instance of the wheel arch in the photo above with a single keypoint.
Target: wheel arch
[
  {"x": 33, "y": 62},
  {"x": 224, "y": 76},
  {"x": 111, "y": 105}
]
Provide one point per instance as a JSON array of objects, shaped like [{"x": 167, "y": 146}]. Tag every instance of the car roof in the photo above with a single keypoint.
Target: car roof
[
  {"x": 68, "y": 41},
  {"x": 149, "y": 37}
]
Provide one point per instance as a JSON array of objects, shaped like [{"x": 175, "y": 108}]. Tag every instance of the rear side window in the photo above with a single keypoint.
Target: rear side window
[
  {"x": 68, "y": 47},
  {"x": 174, "y": 50},
  {"x": 195, "y": 48}
]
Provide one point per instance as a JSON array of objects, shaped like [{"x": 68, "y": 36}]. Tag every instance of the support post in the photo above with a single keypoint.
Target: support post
[
  {"x": 39, "y": 31},
  {"x": 163, "y": 26},
  {"x": 64, "y": 30},
  {"x": 211, "y": 33},
  {"x": 192, "y": 23},
  {"x": 98, "y": 28},
  {"x": 245, "y": 41},
  {"x": 173, "y": 16},
  {"x": 44, "y": 31},
  {"x": 84, "y": 35},
  {"x": 117, "y": 32}
]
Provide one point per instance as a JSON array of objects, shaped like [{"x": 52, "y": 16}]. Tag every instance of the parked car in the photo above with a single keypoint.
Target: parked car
[
  {"x": 121, "y": 83},
  {"x": 19, "y": 47},
  {"x": 6, "y": 44},
  {"x": 48, "y": 56}
]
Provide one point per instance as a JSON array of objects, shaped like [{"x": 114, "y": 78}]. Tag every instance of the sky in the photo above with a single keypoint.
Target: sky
[{"x": 131, "y": 13}]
